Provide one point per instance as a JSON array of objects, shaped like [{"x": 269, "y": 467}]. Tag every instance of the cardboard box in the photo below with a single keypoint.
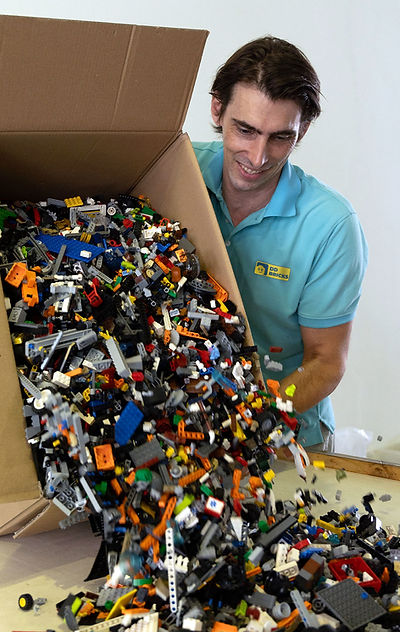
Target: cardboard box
[{"x": 93, "y": 109}]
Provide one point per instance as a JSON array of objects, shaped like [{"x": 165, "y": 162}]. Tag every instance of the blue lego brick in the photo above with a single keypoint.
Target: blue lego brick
[
  {"x": 163, "y": 247},
  {"x": 128, "y": 423},
  {"x": 53, "y": 243},
  {"x": 223, "y": 381}
]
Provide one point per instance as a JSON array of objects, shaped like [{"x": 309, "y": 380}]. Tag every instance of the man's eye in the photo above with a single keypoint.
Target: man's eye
[{"x": 245, "y": 130}]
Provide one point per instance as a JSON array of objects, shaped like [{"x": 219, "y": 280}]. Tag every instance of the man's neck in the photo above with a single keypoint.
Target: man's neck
[{"x": 241, "y": 204}]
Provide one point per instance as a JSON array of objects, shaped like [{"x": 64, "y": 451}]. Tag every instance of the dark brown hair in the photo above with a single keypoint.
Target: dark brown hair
[{"x": 277, "y": 68}]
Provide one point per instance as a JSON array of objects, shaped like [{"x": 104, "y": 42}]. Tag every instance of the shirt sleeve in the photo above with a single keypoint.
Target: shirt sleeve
[{"x": 333, "y": 288}]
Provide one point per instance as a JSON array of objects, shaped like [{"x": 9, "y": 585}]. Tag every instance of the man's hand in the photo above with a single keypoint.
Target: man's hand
[{"x": 323, "y": 366}]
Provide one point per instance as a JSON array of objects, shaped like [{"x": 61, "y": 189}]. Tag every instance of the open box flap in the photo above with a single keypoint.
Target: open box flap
[
  {"x": 88, "y": 107},
  {"x": 17, "y": 471},
  {"x": 15, "y": 515},
  {"x": 72, "y": 75},
  {"x": 46, "y": 518}
]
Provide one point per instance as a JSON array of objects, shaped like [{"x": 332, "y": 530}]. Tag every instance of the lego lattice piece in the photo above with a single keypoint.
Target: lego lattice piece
[{"x": 170, "y": 564}]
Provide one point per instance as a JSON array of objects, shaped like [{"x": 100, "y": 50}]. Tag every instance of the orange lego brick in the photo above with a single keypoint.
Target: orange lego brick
[
  {"x": 206, "y": 463},
  {"x": 17, "y": 274},
  {"x": 235, "y": 493},
  {"x": 29, "y": 289},
  {"x": 74, "y": 372},
  {"x": 184, "y": 331},
  {"x": 132, "y": 515},
  {"x": 162, "y": 265},
  {"x": 190, "y": 478},
  {"x": 244, "y": 412},
  {"x": 116, "y": 486},
  {"x": 273, "y": 387},
  {"x": 222, "y": 294},
  {"x": 104, "y": 457},
  {"x": 184, "y": 434},
  {"x": 223, "y": 627},
  {"x": 147, "y": 542}
]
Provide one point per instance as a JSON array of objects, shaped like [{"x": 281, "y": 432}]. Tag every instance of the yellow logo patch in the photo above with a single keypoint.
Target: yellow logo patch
[{"x": 274, "y": 272}]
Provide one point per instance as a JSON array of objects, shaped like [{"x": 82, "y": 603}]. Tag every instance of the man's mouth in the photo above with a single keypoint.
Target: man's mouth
[{"x": 250, "y": 172}]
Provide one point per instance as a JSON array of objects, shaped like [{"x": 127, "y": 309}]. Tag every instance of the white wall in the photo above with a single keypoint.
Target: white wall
[{"x": 353, "y": 45}]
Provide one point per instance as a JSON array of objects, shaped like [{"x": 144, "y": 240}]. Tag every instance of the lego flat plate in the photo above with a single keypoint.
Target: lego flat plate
[{"x": 351, "y": 604}]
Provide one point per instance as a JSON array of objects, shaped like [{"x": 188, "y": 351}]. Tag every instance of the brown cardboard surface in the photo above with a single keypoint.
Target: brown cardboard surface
[
  {"x": 90, "y": 106},
  {"x": 46, "y": 518},
  {"x": 38, "y": 165},
  {"x": 74, "y": 75},
  {"x": 14, "y": 515},
  {"x": 17, "y": 471}
]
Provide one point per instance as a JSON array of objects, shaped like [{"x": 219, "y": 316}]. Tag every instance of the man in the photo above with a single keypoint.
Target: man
[{"x": 296, "y": 246}]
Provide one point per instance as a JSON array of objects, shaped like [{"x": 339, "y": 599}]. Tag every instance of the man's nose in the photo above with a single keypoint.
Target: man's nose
[{"x": 258, "y": 154}]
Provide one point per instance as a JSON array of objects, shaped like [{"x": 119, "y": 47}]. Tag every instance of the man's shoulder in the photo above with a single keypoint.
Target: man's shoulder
[
  {"x": 210, "y": 158},
  {"x": 206, "y": 151},
  {"x": 314, "y": 193}
]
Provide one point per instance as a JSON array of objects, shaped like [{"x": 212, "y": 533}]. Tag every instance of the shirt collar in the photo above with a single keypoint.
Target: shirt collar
[{"x": 283, "y": 201}]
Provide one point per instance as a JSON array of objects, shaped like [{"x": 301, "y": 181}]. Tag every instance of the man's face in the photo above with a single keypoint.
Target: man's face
[{"x": 259, "y": 134}]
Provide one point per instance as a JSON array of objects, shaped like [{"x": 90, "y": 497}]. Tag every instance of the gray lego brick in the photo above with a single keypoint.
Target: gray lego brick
[
  {"x": 112, "y": 594},
  {"x": 351, "y": 604},
  {"x": 150, "y": 451},
  {"x": 263, "y": 600}
]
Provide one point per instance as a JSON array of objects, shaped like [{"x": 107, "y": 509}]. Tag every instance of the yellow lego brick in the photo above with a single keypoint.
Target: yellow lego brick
[
  {"x": 319, "y": 464},
  {"x": 330, "y": 527},
  {"x": 239, "y": 433},
  {"x": 120, "y": 603},
  {"x": 73, "y": 201},
  {"x": 269, "y": 475},
  {"x": 290, "y": 390}
]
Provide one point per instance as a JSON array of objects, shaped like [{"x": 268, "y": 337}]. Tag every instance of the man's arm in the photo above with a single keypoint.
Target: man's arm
[{"x": 323, "y": 366}]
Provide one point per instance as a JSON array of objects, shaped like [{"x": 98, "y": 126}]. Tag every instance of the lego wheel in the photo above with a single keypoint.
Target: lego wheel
[{"x": 25, "y": 601}]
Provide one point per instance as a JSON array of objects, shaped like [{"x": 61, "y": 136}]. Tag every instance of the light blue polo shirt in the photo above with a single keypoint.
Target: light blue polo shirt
[{"x": 298, "y": 261}]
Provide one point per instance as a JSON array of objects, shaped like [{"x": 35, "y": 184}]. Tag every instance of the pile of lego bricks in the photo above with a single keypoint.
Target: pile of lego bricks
[{"x": 145, "y": 418}]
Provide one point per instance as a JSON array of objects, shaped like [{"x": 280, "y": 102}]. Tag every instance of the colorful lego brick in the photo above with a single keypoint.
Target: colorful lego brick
[
  {"x": 74, "y": 248},
  {"x": 73, "y": 201},
  {"x": 104, "y": 457},
  {"x": 149, "y": 452},
  {"x": 128, "y": 423}
]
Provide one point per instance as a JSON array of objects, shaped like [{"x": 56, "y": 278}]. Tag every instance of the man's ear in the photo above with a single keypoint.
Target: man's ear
[
  {"x": 303, "y": 129},
  {"x": 216, "y": 107}
]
